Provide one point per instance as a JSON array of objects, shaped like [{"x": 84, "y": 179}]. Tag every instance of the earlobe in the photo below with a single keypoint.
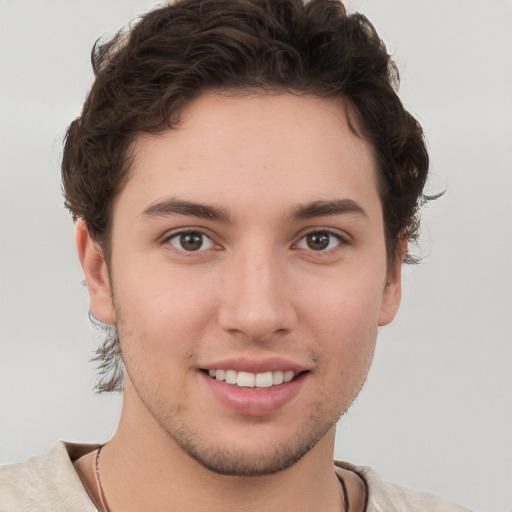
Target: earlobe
[
  {"x": 96, "y": 275},
  {"x": 393, "y": 289}
]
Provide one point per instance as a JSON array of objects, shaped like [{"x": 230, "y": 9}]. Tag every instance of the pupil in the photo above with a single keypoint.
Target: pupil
[
  {"x": 191, "y": 241},
  {"x": 318, "y": 241}
]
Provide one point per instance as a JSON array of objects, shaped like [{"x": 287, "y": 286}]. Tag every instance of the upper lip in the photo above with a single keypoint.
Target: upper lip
[{"x": 244, "y": 364}]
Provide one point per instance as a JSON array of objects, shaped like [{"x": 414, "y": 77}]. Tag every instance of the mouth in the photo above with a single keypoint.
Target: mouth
[
  {"x": 261, "y": 380},
  {"x": 254, "y": 387}
]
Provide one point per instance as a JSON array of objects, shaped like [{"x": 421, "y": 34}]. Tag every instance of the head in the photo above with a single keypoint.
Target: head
[{"x": 147, "y": 77}]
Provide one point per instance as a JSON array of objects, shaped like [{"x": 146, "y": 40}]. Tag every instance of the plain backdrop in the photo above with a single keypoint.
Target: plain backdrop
[{"x": 436, "y": 412}]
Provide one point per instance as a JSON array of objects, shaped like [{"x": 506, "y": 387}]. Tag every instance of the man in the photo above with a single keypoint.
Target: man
[{"x": 245, "y": 182}]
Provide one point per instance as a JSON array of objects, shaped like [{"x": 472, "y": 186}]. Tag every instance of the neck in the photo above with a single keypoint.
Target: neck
[{"x": 142, "y": 468}]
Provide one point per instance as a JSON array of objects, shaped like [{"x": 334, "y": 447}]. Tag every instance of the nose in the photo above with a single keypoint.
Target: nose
[{"x": 256, "y": 297}]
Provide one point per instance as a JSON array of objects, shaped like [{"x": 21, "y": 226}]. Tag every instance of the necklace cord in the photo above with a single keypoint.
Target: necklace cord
[
  {"x": 346, "y": 503},
  {"x": 106, "y": 508},
  {"x": 103, "y": 498}
]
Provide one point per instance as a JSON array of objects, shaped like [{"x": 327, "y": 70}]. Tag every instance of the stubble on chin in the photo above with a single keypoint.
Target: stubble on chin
[{"x": 237, "y": 461}]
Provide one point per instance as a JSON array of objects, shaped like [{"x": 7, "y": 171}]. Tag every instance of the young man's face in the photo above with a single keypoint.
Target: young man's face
[{"x": 248, "y": 243}]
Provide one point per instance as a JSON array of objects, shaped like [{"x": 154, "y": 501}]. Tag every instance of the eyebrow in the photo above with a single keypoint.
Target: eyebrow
[
  {"x": 326, "y": 208},
  {"x": 174, "y": 206}
]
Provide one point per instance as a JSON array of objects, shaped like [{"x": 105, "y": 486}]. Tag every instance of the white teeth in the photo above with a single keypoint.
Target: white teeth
[
  {"x": 263, "y": 380},
  {"x": 245, "y": 380},
  {"x": 288, "y": 376},
  {"x": 278, "y": 378},
  {"x": 231, "y": 376},
  {"x": 252, "y": 380}
]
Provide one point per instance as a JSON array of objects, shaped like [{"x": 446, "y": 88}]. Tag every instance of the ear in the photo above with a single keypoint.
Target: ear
[
  {"x": 96, "y": 275},
  {"x": 393, "y": 289}
]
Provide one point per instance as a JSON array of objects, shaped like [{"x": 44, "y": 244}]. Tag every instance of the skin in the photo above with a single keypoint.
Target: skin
[{"x": 257, "y": 289}]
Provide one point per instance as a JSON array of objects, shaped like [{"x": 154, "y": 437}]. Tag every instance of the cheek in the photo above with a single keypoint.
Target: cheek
[
  {"x": 345, "y": 332},
  {"x": 161, "y": 312},
  {"x": 343, "y": 318}
]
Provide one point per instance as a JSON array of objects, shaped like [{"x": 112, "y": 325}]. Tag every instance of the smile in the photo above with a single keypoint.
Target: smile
[{"x": 252, "y": 380}]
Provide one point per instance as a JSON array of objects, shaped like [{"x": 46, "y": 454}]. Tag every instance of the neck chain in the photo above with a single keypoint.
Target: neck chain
[
  {"x": 346, "y": 503},
  {"x": 103, "y": 498}
]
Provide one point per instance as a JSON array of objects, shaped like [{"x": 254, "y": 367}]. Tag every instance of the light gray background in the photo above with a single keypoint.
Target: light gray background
[{"x": 436, "y": 412}]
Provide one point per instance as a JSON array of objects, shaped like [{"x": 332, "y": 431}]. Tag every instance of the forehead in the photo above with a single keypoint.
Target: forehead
[{"x": 234, "y": 148}]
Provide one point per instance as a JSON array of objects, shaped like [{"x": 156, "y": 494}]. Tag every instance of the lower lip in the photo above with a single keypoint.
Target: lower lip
[{"x": 255, "y": 401}]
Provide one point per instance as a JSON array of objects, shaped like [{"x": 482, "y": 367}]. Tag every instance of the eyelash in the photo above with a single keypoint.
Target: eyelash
[
  {"x": 340, "y": 241},
  {"x": 177, "y": 236},
  {"x": 338, "y": 238}
]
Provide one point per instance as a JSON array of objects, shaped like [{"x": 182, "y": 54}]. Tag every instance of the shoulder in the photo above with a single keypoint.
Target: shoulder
[
  {"x": 383, "y": 496},
  {"x": 46, "y": 482}
]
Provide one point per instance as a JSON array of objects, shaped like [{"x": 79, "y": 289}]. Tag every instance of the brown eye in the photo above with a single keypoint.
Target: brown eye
[
  {"x": 320, "y": 241},
  {"x": 190, "y": 241}
]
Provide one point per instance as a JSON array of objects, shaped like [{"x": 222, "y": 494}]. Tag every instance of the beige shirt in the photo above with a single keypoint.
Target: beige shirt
[{"x": 50, "y": 483}]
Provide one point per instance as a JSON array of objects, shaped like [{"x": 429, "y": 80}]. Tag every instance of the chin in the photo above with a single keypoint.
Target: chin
[
  {"x": 241, "y": 463},
  {"x": 259, "y": 460}
]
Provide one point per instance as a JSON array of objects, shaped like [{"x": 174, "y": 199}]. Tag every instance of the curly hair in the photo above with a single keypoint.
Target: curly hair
[{"x": 145, "y": 75}]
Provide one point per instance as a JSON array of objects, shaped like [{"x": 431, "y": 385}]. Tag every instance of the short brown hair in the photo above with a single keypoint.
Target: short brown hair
[{"x": 175, "y": 53}]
